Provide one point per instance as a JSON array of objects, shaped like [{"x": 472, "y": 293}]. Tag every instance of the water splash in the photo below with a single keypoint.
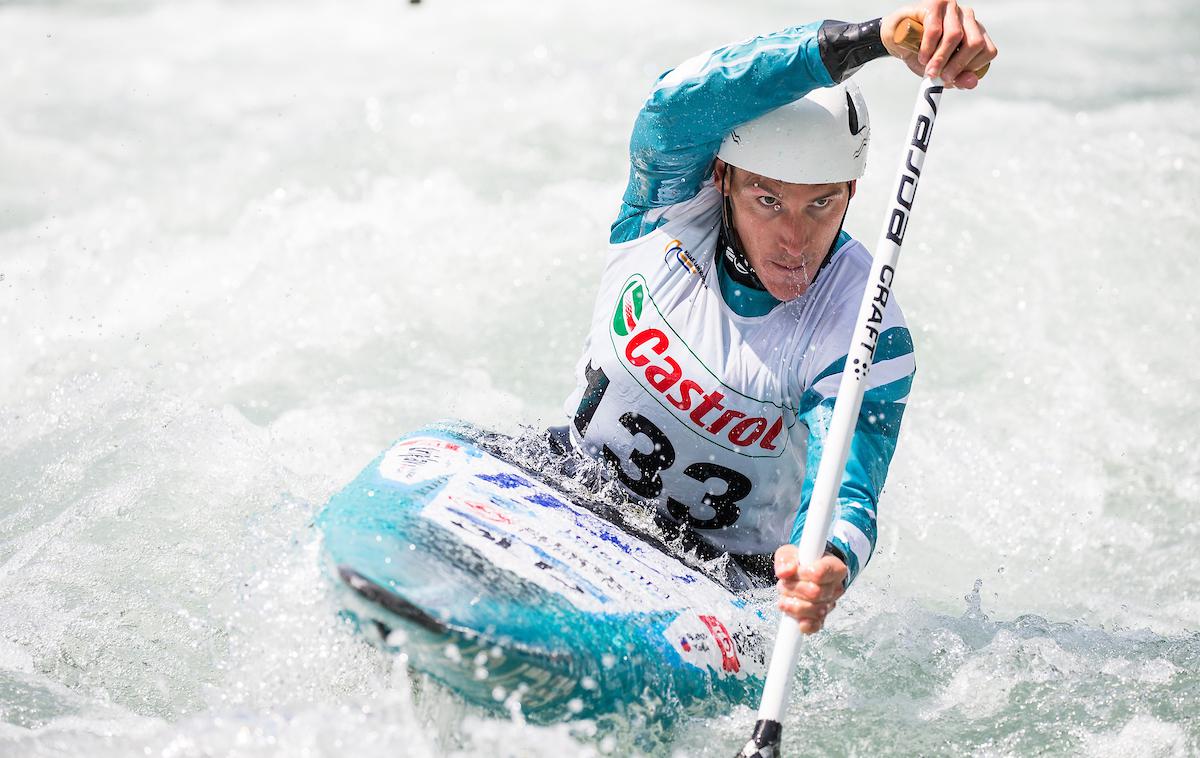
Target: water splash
[{"x": 240, "y": 253}]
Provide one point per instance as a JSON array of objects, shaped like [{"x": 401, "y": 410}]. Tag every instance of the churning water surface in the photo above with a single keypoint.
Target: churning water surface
[{"x": 244, "y": 245}]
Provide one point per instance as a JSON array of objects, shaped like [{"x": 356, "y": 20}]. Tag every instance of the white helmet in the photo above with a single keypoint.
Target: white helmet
[{"x": 821, "y": 138}]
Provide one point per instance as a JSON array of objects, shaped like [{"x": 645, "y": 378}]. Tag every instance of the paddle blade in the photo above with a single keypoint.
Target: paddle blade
[{"x": 765, "y": 742}]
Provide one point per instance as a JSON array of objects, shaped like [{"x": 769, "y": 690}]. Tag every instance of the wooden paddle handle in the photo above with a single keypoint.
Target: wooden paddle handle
[{"x": 908, "y": 36}]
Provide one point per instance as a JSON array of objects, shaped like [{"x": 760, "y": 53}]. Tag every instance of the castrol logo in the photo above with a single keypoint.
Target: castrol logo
[
  {"x": 629, "y": 308},
  {"x": 671, "y": 372}
]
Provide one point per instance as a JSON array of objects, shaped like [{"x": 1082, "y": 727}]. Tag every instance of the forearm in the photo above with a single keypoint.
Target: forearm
[
  {"x": 694, "y": 106},
  {"x": 853, "y": 532}
]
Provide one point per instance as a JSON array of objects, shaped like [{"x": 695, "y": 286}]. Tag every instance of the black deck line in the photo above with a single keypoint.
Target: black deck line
[{"x": 390, "y": 601}]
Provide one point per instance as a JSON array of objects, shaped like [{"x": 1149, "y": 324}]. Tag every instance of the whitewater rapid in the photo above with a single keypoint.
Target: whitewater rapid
[{"x": 245, "y": 245}]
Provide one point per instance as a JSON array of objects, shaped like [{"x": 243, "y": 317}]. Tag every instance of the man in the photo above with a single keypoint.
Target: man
[{"x": 727, "y": 302}]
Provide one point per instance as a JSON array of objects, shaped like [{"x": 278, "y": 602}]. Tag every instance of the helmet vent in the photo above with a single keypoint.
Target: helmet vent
[{"x": 853, "y": 114}]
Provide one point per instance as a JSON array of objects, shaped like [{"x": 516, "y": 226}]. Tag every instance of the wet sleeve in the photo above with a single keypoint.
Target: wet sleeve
[{"x": 853, "y": 533}]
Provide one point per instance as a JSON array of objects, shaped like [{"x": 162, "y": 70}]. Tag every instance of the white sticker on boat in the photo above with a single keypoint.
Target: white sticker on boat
[
  {"x": 725, "y": 644},
  {"x": 693, "y": 641},
  {"x": 420, "y": 459},
  {"x": 527, "y": 528}
]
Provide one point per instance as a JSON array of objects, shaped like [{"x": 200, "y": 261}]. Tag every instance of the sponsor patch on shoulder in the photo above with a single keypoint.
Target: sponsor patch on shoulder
[{"x": 676, "y": 253}]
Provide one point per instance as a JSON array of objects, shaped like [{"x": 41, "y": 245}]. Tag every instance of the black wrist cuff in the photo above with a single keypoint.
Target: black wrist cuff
[
  {"x": 846, "y": 47},
  {"x": 832, "y": 549}
]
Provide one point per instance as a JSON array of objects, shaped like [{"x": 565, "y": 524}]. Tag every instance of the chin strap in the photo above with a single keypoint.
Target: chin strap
[
  {"x": 841, "y": 225},
  {"x": 729, "y": 242}
]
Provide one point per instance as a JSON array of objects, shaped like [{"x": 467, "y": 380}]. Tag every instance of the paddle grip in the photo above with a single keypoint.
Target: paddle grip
[{"x": 908, "y": 36}]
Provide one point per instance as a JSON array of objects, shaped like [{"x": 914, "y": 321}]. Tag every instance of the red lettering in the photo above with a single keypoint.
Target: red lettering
[
  {"x": 746, "y": 432},
  {"x": 668, "y": 374},
  {"x": 769, "y": 437},
  {"x": 661, "y": 379},
  {"x": 729, "y": 656},
  {"x": 724, "y": 419},
  {"x": 686, "y": 390},
  {"x": 642, "y": 338},
  {"x": 712, "y": 401}
]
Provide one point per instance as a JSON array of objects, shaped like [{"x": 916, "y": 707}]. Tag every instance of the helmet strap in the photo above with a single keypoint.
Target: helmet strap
[
  {"x": 729, "y": 242},
  {"x": 833, "y": 245}
]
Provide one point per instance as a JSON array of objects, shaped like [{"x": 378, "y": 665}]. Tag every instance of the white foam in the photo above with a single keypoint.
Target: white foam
[{"x": 245, "y": 246}]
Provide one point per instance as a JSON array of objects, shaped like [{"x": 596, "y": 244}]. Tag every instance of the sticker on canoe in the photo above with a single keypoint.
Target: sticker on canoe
[
  {"x": 482, "y": 508},
  {"x": 527, "y": 528},
  {"x": 704, "y": 641},
  {"x": 420, "y": 459},
  {"x": 729, "y": 656}
]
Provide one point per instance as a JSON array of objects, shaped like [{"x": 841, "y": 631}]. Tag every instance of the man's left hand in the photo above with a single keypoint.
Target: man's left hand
[
  {"x": 808, "y": 593},
  {"x": 954, "y": 46}
]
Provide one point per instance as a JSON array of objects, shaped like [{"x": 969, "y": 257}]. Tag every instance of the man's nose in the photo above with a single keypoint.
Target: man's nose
[{"x": 795, "y": 236}]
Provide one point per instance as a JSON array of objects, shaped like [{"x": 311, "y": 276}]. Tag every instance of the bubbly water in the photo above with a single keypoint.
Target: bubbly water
[{"x": 244, "y": 245}]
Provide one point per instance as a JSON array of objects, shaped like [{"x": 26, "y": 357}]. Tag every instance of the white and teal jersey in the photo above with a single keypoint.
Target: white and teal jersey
[{"x": 715, "y": 406}]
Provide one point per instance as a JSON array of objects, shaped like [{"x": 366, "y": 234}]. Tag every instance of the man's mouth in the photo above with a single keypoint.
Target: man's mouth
[{"x": 791, "y": 270}]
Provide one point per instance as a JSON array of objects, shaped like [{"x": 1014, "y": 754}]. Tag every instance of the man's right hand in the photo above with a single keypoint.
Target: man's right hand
[
  {"x": 954, "y": 45},
  {"x": 808, "y": 593}
]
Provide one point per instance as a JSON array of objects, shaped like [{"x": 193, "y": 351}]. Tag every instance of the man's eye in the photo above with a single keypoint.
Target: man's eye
[
  {"x": 823, "y": 202},
  {"x": 768, "y": 202}
]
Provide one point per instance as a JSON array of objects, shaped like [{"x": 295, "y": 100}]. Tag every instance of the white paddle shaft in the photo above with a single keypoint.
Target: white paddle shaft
[{"x": 850, "y": 392}]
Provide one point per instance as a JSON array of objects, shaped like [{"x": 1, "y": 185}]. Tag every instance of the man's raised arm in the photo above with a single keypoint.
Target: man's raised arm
[{"x": 693, "y": 106}]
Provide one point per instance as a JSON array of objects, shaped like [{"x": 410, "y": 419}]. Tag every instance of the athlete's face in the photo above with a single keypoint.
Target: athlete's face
[{"x": 786, "y": 229}]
